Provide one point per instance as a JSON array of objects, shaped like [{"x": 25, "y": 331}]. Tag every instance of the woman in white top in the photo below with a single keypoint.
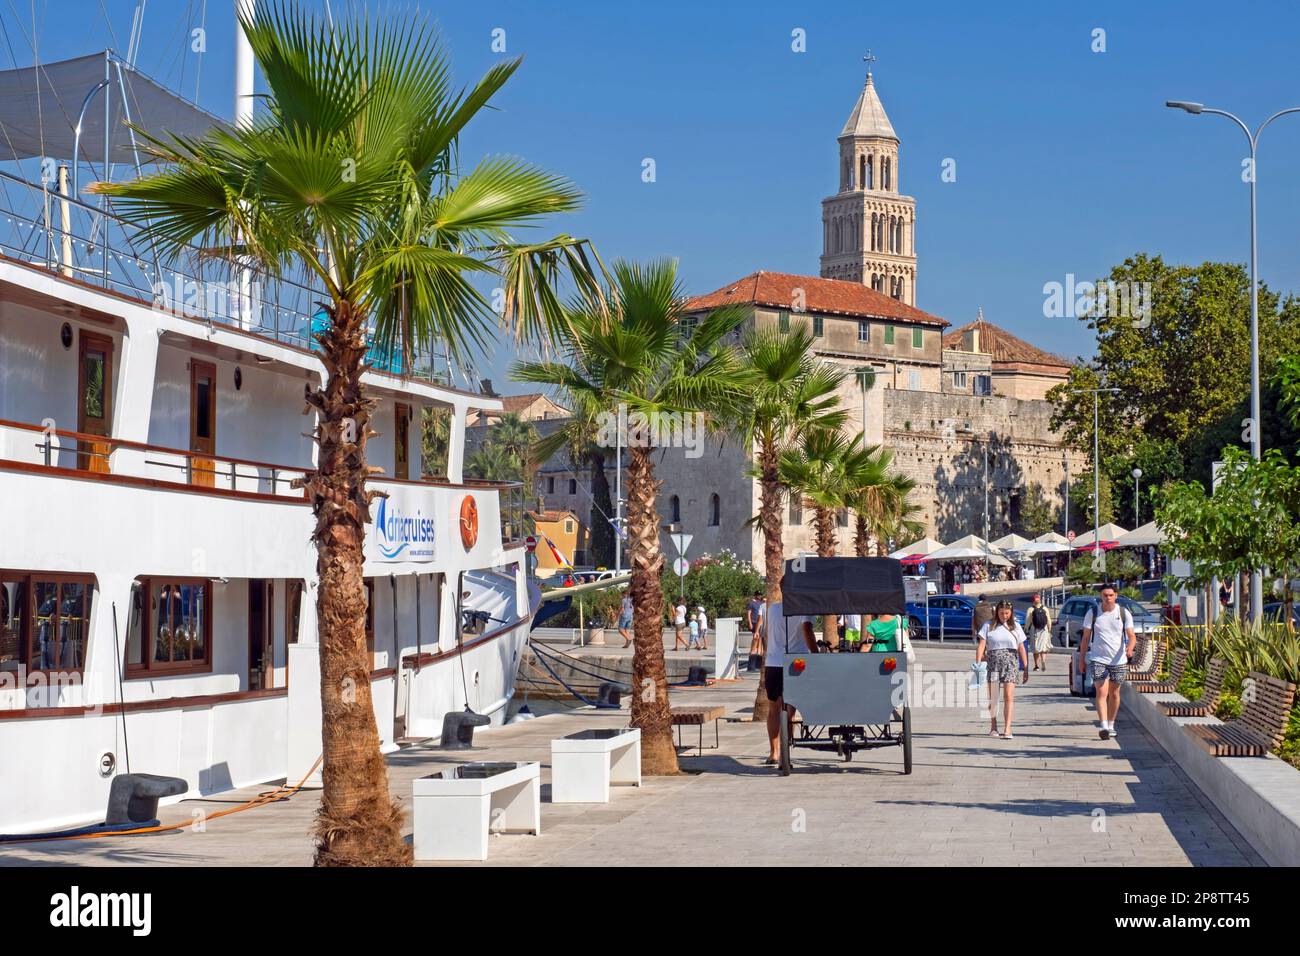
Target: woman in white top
[{"x": 1002, "y": 647}]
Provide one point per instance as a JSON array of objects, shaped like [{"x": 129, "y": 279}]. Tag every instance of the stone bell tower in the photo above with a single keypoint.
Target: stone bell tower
[{"x": 868, "y": 227}]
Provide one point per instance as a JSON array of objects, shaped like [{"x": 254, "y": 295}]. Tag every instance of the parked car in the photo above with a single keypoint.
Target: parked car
[
  {"x": 1273, "y": 614},
  {"x": 1068, "y": 626},
  {"x": 952, "y": 612}
]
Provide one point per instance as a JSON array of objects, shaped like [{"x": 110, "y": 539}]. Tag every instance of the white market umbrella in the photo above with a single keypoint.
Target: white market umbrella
[
  {"x": 1011, "y": 542},
  {"x": 1107, "y": 532},
  {"x": 970, "y": 548},
  {"x": 1139, "y": 537},
  {"x": 926, "y": 547}
]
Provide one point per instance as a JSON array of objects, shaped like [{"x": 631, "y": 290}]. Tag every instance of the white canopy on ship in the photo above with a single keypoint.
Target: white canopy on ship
[
  {"x": 40, "y": 107},
  {"x": 970, "y": 548}
]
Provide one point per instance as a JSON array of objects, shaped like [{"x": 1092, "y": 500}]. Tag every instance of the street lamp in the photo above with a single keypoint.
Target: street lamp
[
  {"x": 1096, "y": 464},
  {"x": 1137, "y": 483},
  {"x": 1256, "y": 577}
]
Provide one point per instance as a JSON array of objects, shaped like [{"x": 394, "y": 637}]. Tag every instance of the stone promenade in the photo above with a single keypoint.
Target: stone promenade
[{"x": 1055, "y": 795}]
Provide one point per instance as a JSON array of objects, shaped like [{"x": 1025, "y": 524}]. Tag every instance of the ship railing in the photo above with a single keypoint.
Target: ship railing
[
  {"x": 62, "y": 450},
  {"x": 90, "y": 244}
]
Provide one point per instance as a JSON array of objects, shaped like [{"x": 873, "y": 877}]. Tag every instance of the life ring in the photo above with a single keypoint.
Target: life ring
[{"x": 468, "y": 521}]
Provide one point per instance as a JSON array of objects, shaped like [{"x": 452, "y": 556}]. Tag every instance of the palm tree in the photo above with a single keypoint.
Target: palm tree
[
  {"x": 792, "y": 394},
  {"x": 832, "y": 473},
  {"x": 493, "y": 462},
  {"x": 351, "y": 175},
  {"x": 435, "y": 440},
  {"x": 513, "y": 435},
  {"x": 631, "y": 350}
]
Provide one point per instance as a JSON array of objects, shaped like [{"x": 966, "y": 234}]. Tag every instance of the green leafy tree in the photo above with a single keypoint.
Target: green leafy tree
[
  {"x": 660, "y": 370},
  {"x": 1182, "y": 371},
  {"x": 1037, "y": 516},
  {"x": 722, "y": 584},
  {"x": 352, "y": 176},
  {"x": 1081, "y": 490}
]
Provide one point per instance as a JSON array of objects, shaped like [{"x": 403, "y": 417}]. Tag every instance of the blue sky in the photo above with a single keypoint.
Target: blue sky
[{"x": 1067, "y": 160}]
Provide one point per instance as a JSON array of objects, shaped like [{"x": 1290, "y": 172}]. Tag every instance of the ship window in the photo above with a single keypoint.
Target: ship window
[
  {"x": 402, "y": 441},
  {"x": 293, "y": 612},
  {"x": 169, "y": 626},
  {"x": 14, "y": 612},
  {"x": 370, "y": 619},
  {"x": 56, "y": 621}
]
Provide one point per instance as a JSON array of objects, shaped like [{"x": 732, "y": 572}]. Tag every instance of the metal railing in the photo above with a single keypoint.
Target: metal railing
[{"x": 91, "y": 244}]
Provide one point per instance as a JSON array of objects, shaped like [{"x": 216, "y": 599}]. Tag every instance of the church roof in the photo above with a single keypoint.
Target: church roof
[
  {"x": 1002, "y": 345},
  {"x": 868, "y": 117},
  {"x": 823, "y": 296}
]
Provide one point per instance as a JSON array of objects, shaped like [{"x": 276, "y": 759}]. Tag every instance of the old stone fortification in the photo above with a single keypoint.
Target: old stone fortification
[{"x": 940, "y": 440}]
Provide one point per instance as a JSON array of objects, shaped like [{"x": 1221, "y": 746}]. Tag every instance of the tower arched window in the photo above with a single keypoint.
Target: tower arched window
[
  {"x": 888, "y": 176},
  {"x": 715, "y": 510},
  {"x": 675, "y": 509},
  {"x": 862, "y": 172},
  {"x": 870, "y": 177}
]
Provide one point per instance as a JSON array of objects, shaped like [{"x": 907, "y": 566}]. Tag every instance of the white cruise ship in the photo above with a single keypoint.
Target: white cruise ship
[{"x": 157, "y": 580}]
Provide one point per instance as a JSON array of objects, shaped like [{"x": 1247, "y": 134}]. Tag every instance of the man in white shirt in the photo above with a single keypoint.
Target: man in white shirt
[
  {"x": 1107, "y": 644},
  {"x": 779, "y": 630}
]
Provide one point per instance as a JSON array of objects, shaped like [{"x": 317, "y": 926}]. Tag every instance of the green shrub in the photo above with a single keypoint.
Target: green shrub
[{"x": 722, "y": 584}]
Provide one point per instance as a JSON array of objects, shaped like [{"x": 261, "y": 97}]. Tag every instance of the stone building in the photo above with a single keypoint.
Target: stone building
[{"x": 963, "y": 410}]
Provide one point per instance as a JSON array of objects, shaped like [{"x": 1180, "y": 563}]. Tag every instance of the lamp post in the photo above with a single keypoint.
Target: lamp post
[
  {"x": 1096, "y": 465},
  {"x": 1256, "y": 450},
  {"x": 1065, "y": 457},
  {"x": 1137, "y": 498}
]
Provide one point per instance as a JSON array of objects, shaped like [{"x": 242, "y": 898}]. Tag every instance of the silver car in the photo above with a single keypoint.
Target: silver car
[{"x": 1068, "y": 627}]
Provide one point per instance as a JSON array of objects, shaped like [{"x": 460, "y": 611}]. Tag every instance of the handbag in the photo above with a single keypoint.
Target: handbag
[{"x": 979, "y": 674}]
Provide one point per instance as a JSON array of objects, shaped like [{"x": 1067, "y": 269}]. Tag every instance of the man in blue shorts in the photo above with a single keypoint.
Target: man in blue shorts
[{"x": 1107, "y": 644}]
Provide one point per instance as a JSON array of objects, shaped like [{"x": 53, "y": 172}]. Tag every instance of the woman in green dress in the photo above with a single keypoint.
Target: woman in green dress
[{"x": 882, "y": 633}]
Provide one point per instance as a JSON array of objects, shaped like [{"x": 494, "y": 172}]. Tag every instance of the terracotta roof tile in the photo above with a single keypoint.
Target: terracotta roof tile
[
  {"x": 822, "y": 296},
  {"x": 1003, "y": 346}
]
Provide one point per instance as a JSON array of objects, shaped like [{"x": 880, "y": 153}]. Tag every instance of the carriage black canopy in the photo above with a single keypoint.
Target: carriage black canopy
[{"x": 843, "y": 586}]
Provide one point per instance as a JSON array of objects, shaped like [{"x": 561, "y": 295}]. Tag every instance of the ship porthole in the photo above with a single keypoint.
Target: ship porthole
[
  {"x": 107, "y": 764},
  {"x": 65, "y": 335}
]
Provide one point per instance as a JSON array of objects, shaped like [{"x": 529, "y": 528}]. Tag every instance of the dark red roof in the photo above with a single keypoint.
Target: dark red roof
[
  {"x": 823, "y": 296},
  {"x": 1003, "y": 346}
]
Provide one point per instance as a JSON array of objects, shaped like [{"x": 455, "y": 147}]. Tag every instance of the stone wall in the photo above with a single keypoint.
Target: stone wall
[{"x": 940, "y": 441}]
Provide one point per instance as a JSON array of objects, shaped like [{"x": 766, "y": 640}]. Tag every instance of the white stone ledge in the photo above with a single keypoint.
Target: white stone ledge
[{"x": 1260, "y": 796}]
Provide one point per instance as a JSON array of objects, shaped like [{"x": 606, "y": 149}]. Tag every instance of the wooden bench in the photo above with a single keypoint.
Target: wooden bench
[
  {"x": 1266, "y": 708},
  {"x": 1170, "y": 684},
  {"x": 1148, "y": 657},
  {"x": 1204, "y": 705},
  {"x": 692, "y": 716}
]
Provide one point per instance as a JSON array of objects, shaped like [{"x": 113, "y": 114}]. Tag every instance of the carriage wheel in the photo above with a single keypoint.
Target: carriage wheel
[
  {"x": 907, "y": 739},
  {"x": 784, "y": 763}
]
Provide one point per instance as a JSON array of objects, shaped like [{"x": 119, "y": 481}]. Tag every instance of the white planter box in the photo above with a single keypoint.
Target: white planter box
[
  {"x": 454, "y": 814},
  {"x": 585, "y": 764}
]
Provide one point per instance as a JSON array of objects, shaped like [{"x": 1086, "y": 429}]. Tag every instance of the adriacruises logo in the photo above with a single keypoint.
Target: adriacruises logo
[{"x": 400, "y": 532}]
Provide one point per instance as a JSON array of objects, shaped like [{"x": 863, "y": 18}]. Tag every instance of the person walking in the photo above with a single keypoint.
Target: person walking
[
  {"x": 753, "y": 618},
  {"x": 780, "y": 631},
  {"x": 1039, "y": 623},
  {"x": 1107, "y": 644},
  {"x": 625, "y": 620},
  {"x": 702, "y": 620},
  {"x": 981, "y": 615},
  {"x": 1002, "y": 649},
  {"x": 679, "y": 626}
]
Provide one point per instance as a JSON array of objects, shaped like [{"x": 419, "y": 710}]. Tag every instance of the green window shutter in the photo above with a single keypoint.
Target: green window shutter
[
  {"x": 917, "y": 339},
  {"x": 783, "y": 322},
  {"x": 819, "y": 328},
  {"x": 889, "y": 335}
]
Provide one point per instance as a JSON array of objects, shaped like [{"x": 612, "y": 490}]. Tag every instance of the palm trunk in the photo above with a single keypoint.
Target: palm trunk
[
  {"x": 827, "y": 545},
  {"x": 861, "y": 537},
  {"x": 769, "y": 520},
  {"x": 650, "y": 707},
  {"x": 358, "y": 823}
]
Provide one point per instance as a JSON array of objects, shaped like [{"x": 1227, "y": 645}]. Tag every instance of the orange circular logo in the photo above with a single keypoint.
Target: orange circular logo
[{"x": 468, "y": 521}]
